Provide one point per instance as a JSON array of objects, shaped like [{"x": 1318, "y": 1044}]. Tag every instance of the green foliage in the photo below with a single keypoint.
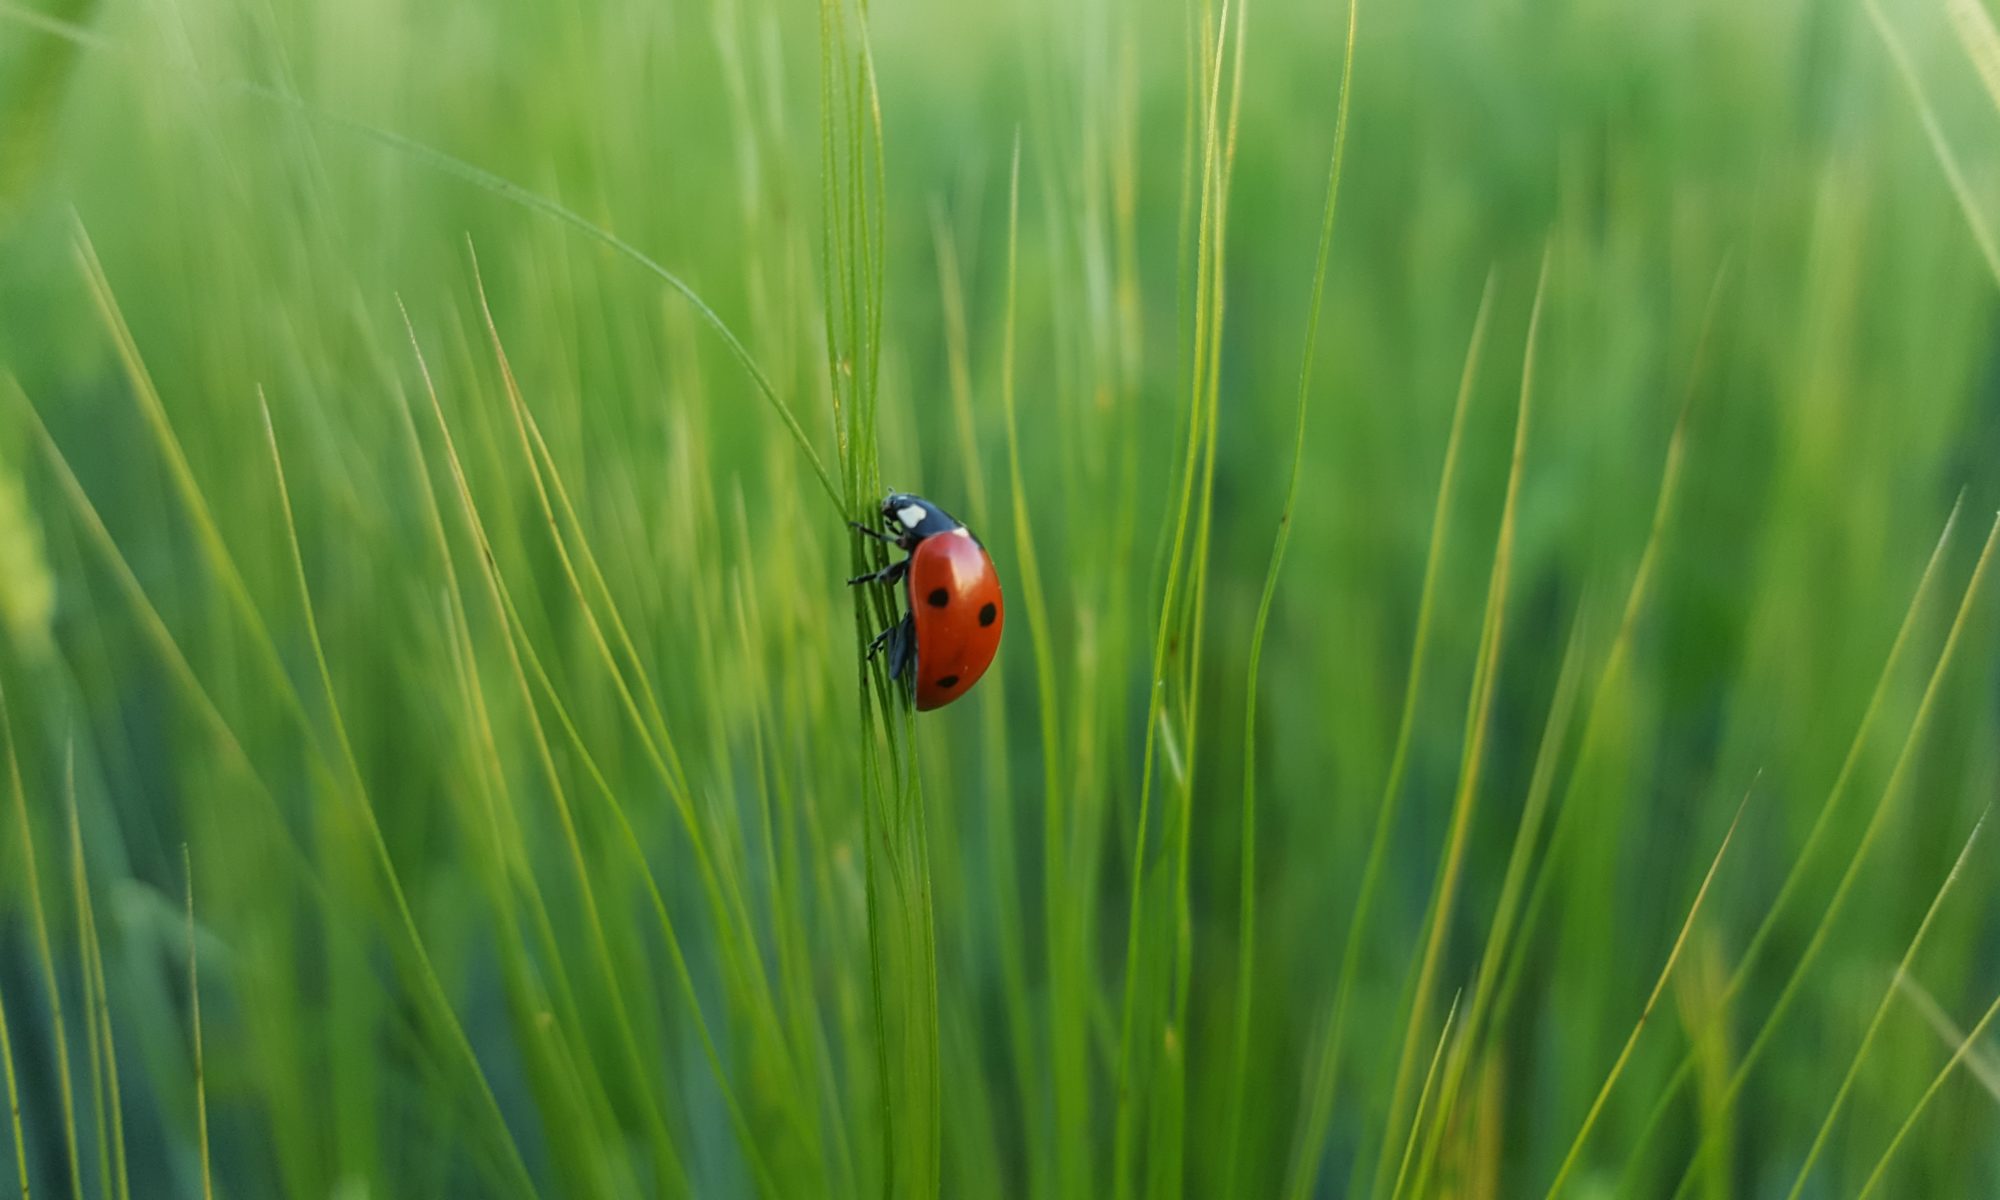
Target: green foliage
[{"x": 1496, "y": 505}]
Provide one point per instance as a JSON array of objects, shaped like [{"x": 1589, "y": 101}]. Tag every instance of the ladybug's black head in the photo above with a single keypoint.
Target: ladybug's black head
[{"x": 914, "y": 518}]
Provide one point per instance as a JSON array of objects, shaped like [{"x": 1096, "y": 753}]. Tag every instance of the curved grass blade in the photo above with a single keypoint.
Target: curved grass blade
[
  {"x": 479, "y": 177},
  {"x": 1954, "y": 174},
  {"x": 1070, "y": 1083},
  {"x": 1316, "y": 1117},
  {"x": 1982, "y": 1064},
  {"x": 1479, "y": 712},
  {"x": 1128, "y": 1087},
  {"x": 1965, "y": 1047},
  {"x": 223, "y": 566},
  {"x": 1891, "y": 792},
  {"x": 1167, "y": 1166},
  {"x": 1645, "y": 1013},
  {"x": 32, "y": 884},
  {"x": 1497, "y": 957},
  {"x": 1246, "y": 935},
  {"x": 1821, "y": 825},
  {"x": 105, "y": 1097},
  {"x": 13, "y": 1100},
  {"x": 1424, "y": 1094},
  {"x": 1636, "y": 595},
  {"x": 520, "y": 648},
  {"x": 510, "y": 1165},
  {"x": 1882, "y": 1008},
  {"x": 194, "y": 1025}
]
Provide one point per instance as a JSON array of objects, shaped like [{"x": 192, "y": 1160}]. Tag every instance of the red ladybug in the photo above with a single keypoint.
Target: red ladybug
[{"x": 947, "y": 639}]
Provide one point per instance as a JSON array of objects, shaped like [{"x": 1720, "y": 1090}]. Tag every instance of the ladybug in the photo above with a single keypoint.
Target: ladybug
[{"x": 951, "y": 630}]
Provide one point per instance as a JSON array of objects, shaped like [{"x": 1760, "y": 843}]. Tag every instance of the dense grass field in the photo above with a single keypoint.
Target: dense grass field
[{"x": 1496, "y": 503}]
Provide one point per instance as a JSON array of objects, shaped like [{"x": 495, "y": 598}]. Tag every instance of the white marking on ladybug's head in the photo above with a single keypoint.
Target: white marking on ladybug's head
[
  {"x": 962, "y": 531},
  {"x": 911, "y": 515}
]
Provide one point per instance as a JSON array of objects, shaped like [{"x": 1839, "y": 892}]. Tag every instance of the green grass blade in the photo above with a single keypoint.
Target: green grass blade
[
  {"x": 13, "y": 1100},
  {"x": 1822, "y": 822},
  {"x": 1069, "y": 1082},
  {"x": 1246, "y": 936},
  {"x": 1424, "y": 1093},
  {"x": 1317, "y": 1115},
  {"x": 1130, "y": 1088},
  {"x": 1892, "y": 791},
  {"x": 1954, "y": 174},
  {"x": 194, "y": 1028},
  {"x": 113, "y": 1172},
  {"x": 1646, "y": 1012},
  {"x": 31, "y": 883},
  {"x": 1959, "y": 1055},
  {"x": 492, "y": 184},
  {"x": 1882, "y": 1008},
  {"x": 1980, "y": 1063},
  {"x": 1479, "y": 713}
]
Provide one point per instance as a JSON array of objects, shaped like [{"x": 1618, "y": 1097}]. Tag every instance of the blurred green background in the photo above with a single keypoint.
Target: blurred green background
[{"x": 402, "y": 539}]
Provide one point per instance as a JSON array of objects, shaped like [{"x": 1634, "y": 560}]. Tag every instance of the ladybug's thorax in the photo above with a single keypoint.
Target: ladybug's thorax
[{"x": 915, "y": 518}]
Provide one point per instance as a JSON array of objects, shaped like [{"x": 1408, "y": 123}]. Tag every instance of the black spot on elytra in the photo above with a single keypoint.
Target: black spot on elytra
[
  {"x": 939, "y": 597},
  {"x": 989, "y": 614},
  {"x": 948, "y": 682}
]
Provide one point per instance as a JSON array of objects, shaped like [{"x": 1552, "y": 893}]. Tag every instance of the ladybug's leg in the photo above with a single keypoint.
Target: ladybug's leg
[
  {"x": 902, "y": 648},
  {"x": 877, "y": 534},
  {"x": 893, "y": 573}
]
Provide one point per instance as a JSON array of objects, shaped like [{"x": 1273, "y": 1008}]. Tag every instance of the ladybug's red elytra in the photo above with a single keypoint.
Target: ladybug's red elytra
[{"x": 951, "y": 631}]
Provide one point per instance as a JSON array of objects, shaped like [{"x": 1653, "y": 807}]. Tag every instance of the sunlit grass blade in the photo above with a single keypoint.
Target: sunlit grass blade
[
  {"x": 1646, "y": 1011},
  {"x": 1954, "y": 173},
  {"x": 658, "y": 742},
  {"x": 100, "y": 1124},
  {"x": 1520, "y": 857},
  {"x": 176, "y": 660},
  {"x": 1133, "y": 1078},
  {"x": 31, "y": 883},
  {"x": 222, "y": 563},
  {"x": 1322, "y": 1076},
  {"x": 153, "y": 625},
  {"x": 13, "y": 1099},
  {"x": 524, "y": 660},
  {"x": 1069, "y": 1064},
  {"x": 1966, "y": 1047},
  {"x": 1246, "y": 934},
  {"x": 899, "y": 906},
  {"x": 1698, "y": 993},
  {"x": 1892, "y": 791},
  {"x": 194, "y": 1029},
  {"x": 1616, "y": 663},
  {"x": 510, "y": 868},
  {"x": 1983, "y": 1064},
  {"x": 1822, "y": 822},
  {"x": 668, "y": 1160},
  {"x": 31, "y": 106},
  {"x": 1489, "y": 987},
  {"x": 1424, "y": 1094},
  {"x": 1472, "y": 757},
  {"x": 1882, "y": 1008},
  {"x": 1980, "y": 40},
  {"x": 487, "y": 181},
  {"x": 1067, "y": 1060},
  {"x": 113, "y": 1174},
  {"x": 1167, "y": 1165}
]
